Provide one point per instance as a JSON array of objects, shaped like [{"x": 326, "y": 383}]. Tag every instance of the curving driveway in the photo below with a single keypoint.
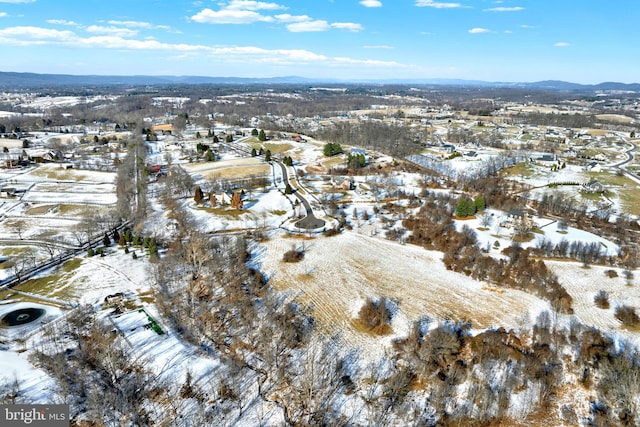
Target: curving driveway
[{"x": 310, "y": 221}]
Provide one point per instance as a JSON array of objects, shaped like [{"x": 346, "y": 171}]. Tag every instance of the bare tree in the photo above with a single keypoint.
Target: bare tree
[
  {"x": 22, "y": 262},
  {"x": 19, "y": 226}
]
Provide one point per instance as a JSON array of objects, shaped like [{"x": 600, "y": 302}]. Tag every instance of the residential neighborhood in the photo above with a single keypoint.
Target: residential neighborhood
[{"x": 226, "y": 249}]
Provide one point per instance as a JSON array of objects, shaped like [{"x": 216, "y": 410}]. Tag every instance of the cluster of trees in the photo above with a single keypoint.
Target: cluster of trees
[
  {"x": 433, "y": 228},
  {"x": 262, "y": 136},
  {"x": 331, "y": 149},
  {"x": 356, "y": 161},
  {"x": 468, "y": 207},
  {"x": 393, "y": 139},
  {"x": 262, "y": 152},
  {"x": 277, "y": 368},
  {"x": 287, "y": 160},
  {"x": 204, "y": 150},
  {"x": 131, "y": 183}
]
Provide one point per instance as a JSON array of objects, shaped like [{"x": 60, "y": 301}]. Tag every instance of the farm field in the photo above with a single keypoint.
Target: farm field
[{"x": 339, "y": 273}]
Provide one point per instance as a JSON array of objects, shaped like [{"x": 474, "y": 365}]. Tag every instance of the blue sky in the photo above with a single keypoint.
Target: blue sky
[{"x": 510, "y": 40}]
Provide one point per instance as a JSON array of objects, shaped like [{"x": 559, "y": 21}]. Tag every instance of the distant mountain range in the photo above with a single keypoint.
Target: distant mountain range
[{"x": 33, "y": 80}]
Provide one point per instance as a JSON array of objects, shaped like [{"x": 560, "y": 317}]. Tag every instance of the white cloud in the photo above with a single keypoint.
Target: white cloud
[
  {"x": 562, "y": 44},
  {"x": 371, "y": 3},
  {"x": 527, "y": 27},
  {"x": 24, "y": 36},
  {"x": 142, "y": 25},
  {"x": 373, "y": 62},
  {"x": 244, "y": 12},
  {"x": 3, "y": 14},
  {"x": 252, "y": 5},
  {"x": 350, "y": 26},
  {"x": 229, "y": 16},
  {"x": 36, "y": 36},
  {"x": 505, "y": 9},
  {"x": 113, "y": 31},
  {"x": 308, "y": 26},
  {"x": 63, "y": 22},
  {"x": 437, "y": 5},
  {"x": 321, "y": 25},
  {"x": 285, "y": 17},
  {"x": 478, "y": 31}
]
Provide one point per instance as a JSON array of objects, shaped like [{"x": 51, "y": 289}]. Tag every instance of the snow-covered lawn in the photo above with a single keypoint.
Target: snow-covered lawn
[{"x": 547, "y": 229}]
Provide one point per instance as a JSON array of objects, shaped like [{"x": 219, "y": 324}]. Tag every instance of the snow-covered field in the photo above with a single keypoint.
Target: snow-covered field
[
  {"x": 334, "y": 279},
  {"x": 584, "y": 283},
  {"x": 339, "y": 273},
  {"x": 548, "y": 230}
]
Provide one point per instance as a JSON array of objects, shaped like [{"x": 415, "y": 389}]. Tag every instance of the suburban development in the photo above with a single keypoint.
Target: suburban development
[{"x": 291, "y": 254}]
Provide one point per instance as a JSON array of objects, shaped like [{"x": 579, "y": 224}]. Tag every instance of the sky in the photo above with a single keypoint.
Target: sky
[{"x": 584, "y": 41}]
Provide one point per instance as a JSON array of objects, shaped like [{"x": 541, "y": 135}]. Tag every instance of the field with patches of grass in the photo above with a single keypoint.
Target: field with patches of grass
[
  {"x": 231, "y": 213},
  {"x": 239, "y": 172},
  {"x": 39, "y": 210},
  {"x": 630, "y": 200},
  {"x": 55, "y": 172},
  {"x": 13, "y": 251},
  {"x": 522, "y": 169},
  {"x": 58, "y": 174},
  {"x": 614, "y": 118},
  {"x": 592, "y": 196},
  {"x": 330, "y": 162},
  {"x": 613, "y": 179},
  {"x": 56, "y": 285}
]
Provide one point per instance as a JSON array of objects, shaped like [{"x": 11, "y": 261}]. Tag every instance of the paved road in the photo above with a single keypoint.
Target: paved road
[
  {"x": 629, "y": 156},
  {"x": 70, "y": 252},
  {"x": 309, "y": 222}
]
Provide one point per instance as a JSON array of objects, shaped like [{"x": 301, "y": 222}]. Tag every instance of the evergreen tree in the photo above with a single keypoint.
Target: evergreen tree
[
  {"x": 465, "y": 207},
  {"x": 106, "y": 240},
  {"x": 254, "y": 132},
  {"x": 262, "y": 136},
  {"x": 479, "y": 203},
  {"x": 253, "y": 152},
  {"x": 267, "y": 155},
  {"x": 153, "y": 250},
  {"x": 332, "y": 149},
  {"x": 288, "y": 189},
  {"x": 115, "y": 236}
]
